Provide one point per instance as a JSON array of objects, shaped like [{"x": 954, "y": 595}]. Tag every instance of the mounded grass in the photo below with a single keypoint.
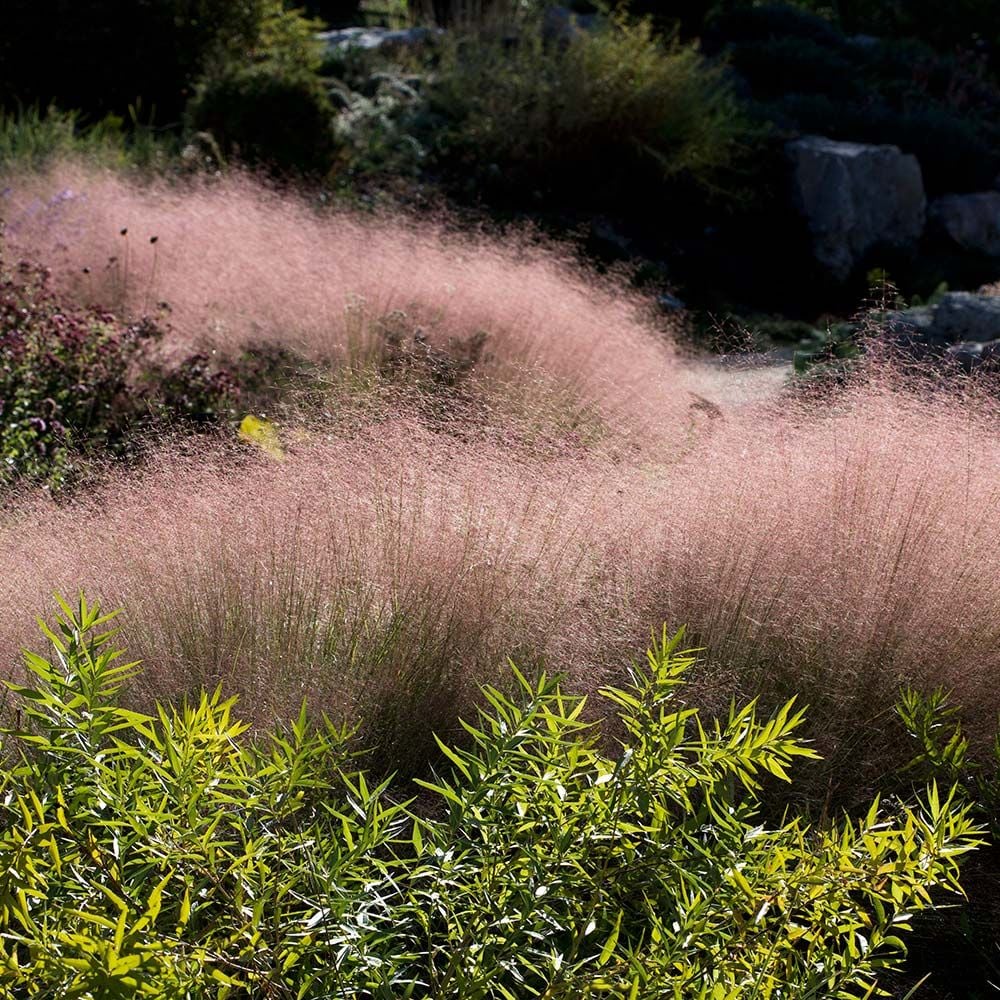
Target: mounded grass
[
  {"x": 241, "y": 264},
  {"x": 835, "y": 547},
  {"x": 833, "y": 555}
]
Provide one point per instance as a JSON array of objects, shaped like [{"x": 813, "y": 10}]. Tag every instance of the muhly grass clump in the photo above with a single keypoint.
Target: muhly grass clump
[
  {"x": 386, "y": 574},
  {"x": 567, "y": 492},
  {"x": 241, "y": 264},
  {"x": 836, "y": 552},
  {"x": 839, "y": 548}
]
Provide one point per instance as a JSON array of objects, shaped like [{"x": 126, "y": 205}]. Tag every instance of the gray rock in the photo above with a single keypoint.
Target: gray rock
[
  {"x": 963, "y": 327},
  {"x": 855, "y": 197},
  {"x": 966, "y": 316},
  {"x": 670, "y": 303},
  {"x": 970, "y": 356},
  {"x": 370, "y": 39},
  {"x": 913, "y": 330},
  {"x": 970, "y": 220}
]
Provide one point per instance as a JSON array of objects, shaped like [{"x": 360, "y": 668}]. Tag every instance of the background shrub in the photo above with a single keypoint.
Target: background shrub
[
  {"x": 269, "y": 106},
  {"x": 607, "y": 112},
  {"x": 777, "y": 66},
  {"x": 751, "y": 22},
  {"x": 259, "y": 114},
  {"x": 102, "y": 56},
  {"x": 806, "y": 76},
  {"x": 380, "y": 127},
  {"x": 968, "y": 22},
  {"x": 105, "y": 57}
]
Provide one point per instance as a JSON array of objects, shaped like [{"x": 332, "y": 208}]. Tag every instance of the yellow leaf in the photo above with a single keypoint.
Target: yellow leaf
[
  {"x": 185, "y": 909},
  {"x": 263, "y": 434}
]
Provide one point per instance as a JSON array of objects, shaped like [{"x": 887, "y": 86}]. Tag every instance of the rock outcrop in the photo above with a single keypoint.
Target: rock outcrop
[
  {"x": 854, "y": 198},
  {"x": 971, "y": 221},
  {"x": 963, "y": 327},
  {"x": 345, "y": 39}
]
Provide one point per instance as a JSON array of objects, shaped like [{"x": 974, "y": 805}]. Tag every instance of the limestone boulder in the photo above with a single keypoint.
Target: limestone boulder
[
  {"x": 972, "y": 221},
  {"x": 966, "y": 317},
  {"x": 345, "y": 39},
  {"x": 855, "y": 197}
]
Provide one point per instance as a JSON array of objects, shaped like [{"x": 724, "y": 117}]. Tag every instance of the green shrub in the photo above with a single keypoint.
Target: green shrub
[
  {"x": 259, "y": 114},
  {"x": 269, "y": 106},
  {"x": 808, "y": 77},
  {"x": 376, "y": 127},
  {"x": 910, "y": 70},
  {"x": 688, "y": 17},
  {"x": 744, "y": 22},
  {"x": 608, "y": 111},
  {"x": 943, "y": 752},
  {"x": 967, "y": 21},
  {"x": 962, "y": 942},
  {"x": 170, "y": 855},
  {"x": 103, "y": 56},
  {"x": 778, "y": 66}
]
